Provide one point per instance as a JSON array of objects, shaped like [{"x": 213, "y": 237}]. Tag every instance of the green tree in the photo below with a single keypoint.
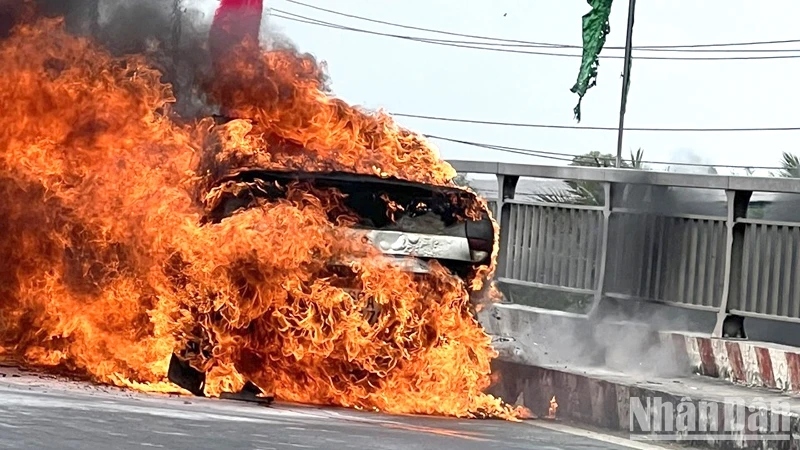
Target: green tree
[{"x": 790, "y": 166}]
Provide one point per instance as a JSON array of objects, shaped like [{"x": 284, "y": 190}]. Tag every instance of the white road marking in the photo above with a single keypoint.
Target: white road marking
[
  {"x": 593, "y": 435},
  {"x": 169, "y": 433}
]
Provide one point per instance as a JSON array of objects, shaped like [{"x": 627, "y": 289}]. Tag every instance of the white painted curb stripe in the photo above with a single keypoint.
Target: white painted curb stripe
[{"x": 780, "y": 369}]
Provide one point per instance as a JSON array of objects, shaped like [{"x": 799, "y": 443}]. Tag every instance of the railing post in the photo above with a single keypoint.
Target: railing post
[
  {"x": 601, "y": 272},
  {"x": 738, "y": 202},
  {"x": 506, "y": 189}
]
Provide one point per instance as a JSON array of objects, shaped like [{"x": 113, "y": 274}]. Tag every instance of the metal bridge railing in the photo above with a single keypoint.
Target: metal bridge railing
[{"x": 637, "y": 244}]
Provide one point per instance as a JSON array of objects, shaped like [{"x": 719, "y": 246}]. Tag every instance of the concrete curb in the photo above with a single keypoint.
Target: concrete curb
[
  {"x": 605, "y": 402},
  {"x": 551, "y": 338},
  {"x": 746, "y": 363}
]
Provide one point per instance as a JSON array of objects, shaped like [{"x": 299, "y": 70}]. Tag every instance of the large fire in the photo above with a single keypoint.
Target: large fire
[{"x": 107, "y": 269}]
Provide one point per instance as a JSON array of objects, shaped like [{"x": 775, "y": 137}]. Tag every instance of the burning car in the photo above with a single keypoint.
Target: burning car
[
  {"x": 294, "y": 245},
  {"x": 409, "y": 224}
]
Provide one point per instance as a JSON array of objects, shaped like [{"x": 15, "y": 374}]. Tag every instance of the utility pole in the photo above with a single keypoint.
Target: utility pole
[{"x": 626, "y": 78}]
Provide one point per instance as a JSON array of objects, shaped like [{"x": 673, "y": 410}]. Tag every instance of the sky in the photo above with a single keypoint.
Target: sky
[{"x": 401, "y": 76}]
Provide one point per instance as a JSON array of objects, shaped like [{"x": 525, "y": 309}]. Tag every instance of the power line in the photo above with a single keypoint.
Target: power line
[
  {"x": 489, "y": 45},
  {"x": 574, "y": 127},
  {"x": 447, "y": 43},
  {"x": 523, "y": 151},
  {"x": 280, "y": 14},
  {"x": 502, "y": 43},
  {"x": 545, "y": 44},
  {"x": 310, "y": 21},
  {"x": 572, "y": 158}
]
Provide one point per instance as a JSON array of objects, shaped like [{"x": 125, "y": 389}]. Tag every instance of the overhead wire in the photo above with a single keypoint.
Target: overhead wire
[
  {"x": 688, "y": 48},
  {"x": 530, "y": 125},
  {"x": 576, "y": 127},
  {"x": 285, "y": 15},
  {"x": 542, "y": 44},
  {"x": 280, "y": 14},
  {"x": 572, "y": 157}
]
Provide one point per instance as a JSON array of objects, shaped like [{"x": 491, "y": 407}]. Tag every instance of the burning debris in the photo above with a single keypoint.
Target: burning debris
[
  {"x": 147, "y": 249},
  {"x": 552, "y": 409}
]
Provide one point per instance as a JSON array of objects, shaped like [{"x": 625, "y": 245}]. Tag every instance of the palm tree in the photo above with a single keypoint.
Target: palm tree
[
  {"x": 790, "y": 166},
  {"x": 590, "y": 192}
]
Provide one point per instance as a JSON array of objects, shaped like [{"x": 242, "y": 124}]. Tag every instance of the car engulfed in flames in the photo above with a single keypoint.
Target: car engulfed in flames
[
  {"x": 409, "y": 225},
  {"x": 301, "y": 247}
]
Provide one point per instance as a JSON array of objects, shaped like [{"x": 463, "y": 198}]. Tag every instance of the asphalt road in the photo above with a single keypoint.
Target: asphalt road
[{"x": 42, "y": 413}]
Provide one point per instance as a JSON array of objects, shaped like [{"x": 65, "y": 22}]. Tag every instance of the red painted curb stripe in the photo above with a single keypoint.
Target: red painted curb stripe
[
  {"x": 793, "y": 363},
  {"x": 765, "y": 367},
  {"x": 709, "y": 365},
  {"x": 736, "y": 362}
]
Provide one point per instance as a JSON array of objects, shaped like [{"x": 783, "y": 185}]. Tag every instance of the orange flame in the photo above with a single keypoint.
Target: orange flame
[{"x": 106, "y": 269}]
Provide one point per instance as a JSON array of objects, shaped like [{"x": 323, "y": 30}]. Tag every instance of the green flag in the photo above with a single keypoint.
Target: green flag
[{"x": 595, "y": 30}]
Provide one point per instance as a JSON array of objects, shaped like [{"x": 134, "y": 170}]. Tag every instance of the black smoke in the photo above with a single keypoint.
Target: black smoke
[{"x": 172, "y": 34}]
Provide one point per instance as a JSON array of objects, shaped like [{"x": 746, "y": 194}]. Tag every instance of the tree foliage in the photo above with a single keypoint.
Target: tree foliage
[
  {"x": 590, "y": 192},
  {"x": 790, "y": 166}
]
